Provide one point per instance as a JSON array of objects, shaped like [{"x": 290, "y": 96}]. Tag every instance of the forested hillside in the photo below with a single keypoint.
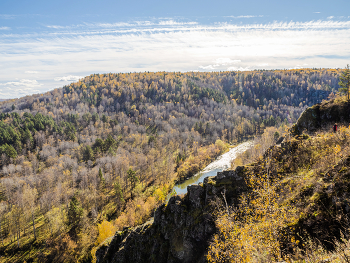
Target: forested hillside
[
  {"x": 296, "y": 208},
  {"x": 82, "y": 161}
]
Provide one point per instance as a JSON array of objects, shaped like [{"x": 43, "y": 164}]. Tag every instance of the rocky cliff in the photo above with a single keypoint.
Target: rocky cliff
[
  {"x": 323, "y": 115},
  {"x": 181, "y": 229}
]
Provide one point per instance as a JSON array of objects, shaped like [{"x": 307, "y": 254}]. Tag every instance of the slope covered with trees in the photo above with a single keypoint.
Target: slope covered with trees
[
  {"x": 100, "y": 154},
  {"x": 296, "y": 208},
  {"x": 291, "y": 204}
]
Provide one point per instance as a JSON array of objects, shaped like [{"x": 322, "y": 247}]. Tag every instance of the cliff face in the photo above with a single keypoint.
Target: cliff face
[
  {"x": 180, "y": 230},
  {"x": 322, "y": 115}
]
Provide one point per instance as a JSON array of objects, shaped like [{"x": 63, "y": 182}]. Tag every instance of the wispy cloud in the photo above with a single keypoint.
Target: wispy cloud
[
  {"x": 210, "y": 67},
  {"x": 23, "y": 83},
  {"x": 226, "y": 61},
  {"x": 246, "y": 16},
  {"x": 31, "y": 72},
  {"x": 68, "y": 78},
  {"x": 4, "y": 28},
  {"x": 238, "y": 69},
  {"x": 56, "y": 27},
  {"x": 168, "y": 26},
  {"x": 5, "y": 16},
  {"x": 175, "y": 23},
  {"x": 263, "y": 65},
  {"x": 220, "y": 62},
  {"x": 20, "y": 88},
  {"x": 299, "y": 66},
  {"x": 136, "y": 25}
]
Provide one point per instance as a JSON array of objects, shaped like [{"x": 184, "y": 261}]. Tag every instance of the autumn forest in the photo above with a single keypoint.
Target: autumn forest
[{"x": 83, "y": 161}]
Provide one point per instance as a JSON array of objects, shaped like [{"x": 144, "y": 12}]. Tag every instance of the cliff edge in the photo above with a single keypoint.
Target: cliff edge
[
  {"x": 181, "y": 229},
  {"x": 323, "y": 115}
]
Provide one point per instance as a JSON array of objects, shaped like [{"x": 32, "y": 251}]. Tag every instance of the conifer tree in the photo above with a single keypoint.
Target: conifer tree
[
  {"x": 88, "y": 154},
  {"x": 75, "y": 213},
  {"x": 119, "y": 192},
  {"x": 133, "y": 179},
  {"x": 345, "y": 81}
]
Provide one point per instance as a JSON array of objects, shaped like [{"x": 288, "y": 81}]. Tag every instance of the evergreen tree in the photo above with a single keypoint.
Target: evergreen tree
[
  {"x": 109, "y": 143},
  {"x": 133, "y": 179},
  {"x": 75, "y": 214},
  {"x": 98, "y": 145},
  {"x": 345, "y": 81},
  {"x": 8, "y": 150},
  {"x": 119, "y": 192},
  {"x": 88, "y": 154},
  {"x": 104, "y": 118}
]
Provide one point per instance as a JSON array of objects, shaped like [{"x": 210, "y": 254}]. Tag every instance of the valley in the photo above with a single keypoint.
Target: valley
[{"x": 100, "y": 155}]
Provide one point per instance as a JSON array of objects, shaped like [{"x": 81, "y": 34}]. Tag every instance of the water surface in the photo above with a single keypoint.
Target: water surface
[{"x": 222, "y": 163}]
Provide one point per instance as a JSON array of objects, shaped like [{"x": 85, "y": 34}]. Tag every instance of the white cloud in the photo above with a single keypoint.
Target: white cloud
[
  {"x": 68, "y": 78},
  {"x": 226, "y": 61},
  {"x": 207, "y": 67},
  {"x": 174, "y": 23},
  {"x": 135, "y": 25},
  {"x": 317, "y": 12},
  {"x": 86, "y": 49},
  {"x": 111, "y": 25},
  {"x": 17, "y": 93},
  {"x": 238, "y": 69},
  {"x": 56, "y": 27},
  {"x": 4, "y": 28},
  {"x": 220, "y": 62},
  {"x": 20, "y": 88},
  {"x": 299, "y": 66},
  {"x": 31, "y": 72},
  {"x": 330, "y": 17},
  {"x": 23, "y": 83},
  {"x": 245, "y": 16}
]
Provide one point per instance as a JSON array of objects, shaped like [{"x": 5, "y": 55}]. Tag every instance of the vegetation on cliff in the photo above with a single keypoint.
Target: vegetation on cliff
[{"x": 297, "y": 208}]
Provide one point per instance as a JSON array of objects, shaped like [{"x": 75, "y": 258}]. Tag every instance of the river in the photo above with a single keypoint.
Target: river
[{"x": 222, "y": 163}]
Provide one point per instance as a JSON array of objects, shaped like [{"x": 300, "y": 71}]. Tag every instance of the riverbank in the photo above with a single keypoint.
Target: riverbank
[{"x": 221, "y": 163}]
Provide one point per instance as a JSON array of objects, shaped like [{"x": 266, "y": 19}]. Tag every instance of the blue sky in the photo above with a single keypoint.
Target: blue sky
[{"x": 47, "y": 44}]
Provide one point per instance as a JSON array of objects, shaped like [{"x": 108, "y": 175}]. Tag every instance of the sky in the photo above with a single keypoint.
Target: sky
[{"x": 48, "y": 44}]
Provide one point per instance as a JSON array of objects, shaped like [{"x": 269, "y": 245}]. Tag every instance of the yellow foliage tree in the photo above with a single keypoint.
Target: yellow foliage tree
[{"x": 105, "y": 230}]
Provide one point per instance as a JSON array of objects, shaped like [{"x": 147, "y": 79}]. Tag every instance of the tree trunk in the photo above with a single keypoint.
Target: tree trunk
[{"x": 33, "y": 225}]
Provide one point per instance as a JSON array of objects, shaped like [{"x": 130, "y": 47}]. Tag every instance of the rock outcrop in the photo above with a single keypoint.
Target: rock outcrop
[
  {"x": 322, "y": 115},
  {"x": 180, "y": 231}
]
